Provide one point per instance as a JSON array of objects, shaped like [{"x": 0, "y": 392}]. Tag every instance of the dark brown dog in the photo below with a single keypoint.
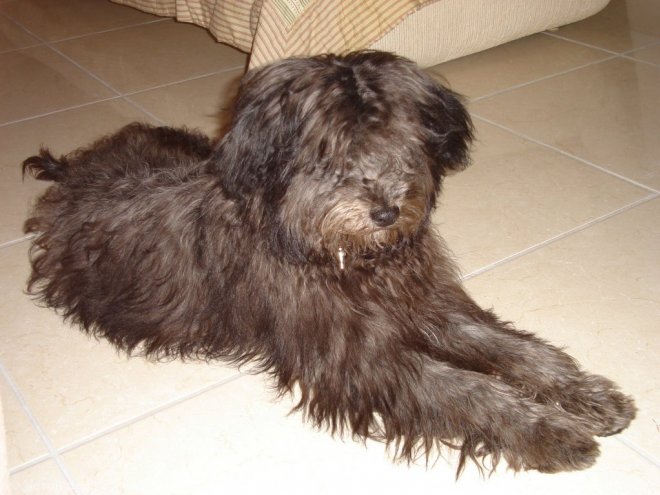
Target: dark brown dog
[{"x": 302, "y": 241}]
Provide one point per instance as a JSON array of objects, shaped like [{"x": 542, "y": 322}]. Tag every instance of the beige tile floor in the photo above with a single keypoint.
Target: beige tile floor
[{"x": 556, "y": 225}]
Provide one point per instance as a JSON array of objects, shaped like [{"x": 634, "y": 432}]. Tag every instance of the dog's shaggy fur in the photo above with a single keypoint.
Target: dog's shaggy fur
[{"x": 302, "y": 242}]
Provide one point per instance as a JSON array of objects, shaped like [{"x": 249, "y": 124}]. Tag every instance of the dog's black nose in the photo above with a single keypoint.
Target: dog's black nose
[{"x": 384, "y": 217}]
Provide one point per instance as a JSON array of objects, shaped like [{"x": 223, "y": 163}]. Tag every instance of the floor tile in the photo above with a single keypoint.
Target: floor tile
[
  {"x": 55, "y": 20},
  {"x": 23, "y": 442},
  {"x": 608, "y": 113},
  {"x": 517, "y": 194},
  {"x": 37, "y": 80},
  {"x": 237, "y": 437},
  {"x": 74, "y": 385},
  {"x": 203, "y": 103},
  {"x": 141, "y": 57},
  {"x": 61, "y": 132},
  {"x": 513, "y": 63},
  {"x": 621, "y": 26},
  {"x": 42, "y": 479},
  {"x": 597, "y": 294},
  {"x": 129, "y": 426},
  {"x": 13, "y": 36}
]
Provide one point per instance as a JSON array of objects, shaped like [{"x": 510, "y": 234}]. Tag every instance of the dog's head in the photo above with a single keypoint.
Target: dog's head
[{"x": 342, "y": 152}]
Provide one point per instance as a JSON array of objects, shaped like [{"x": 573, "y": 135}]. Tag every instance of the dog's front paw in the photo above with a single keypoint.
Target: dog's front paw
[
  {"x": 600, "y": 403},
  {"x": 621, "y": 412},
  {"x": 554, "y": 444},
  {"x": 561, "y": 449}
]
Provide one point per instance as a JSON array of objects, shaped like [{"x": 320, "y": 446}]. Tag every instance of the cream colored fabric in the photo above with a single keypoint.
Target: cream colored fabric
[
  {"x": 427, "y": 31},
  {"x": 275, "y": 29},
  {"x": 303, "y": 27},
  {"x": 453, "y": 28}
]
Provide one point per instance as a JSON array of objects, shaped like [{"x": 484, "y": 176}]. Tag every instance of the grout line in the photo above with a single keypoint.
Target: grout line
[
  {"x": 55, "y": 453},
  {"x": 52, "y": 452},
  {"x": 150, "y": 412},
  {"x": 89, "y": 73},
  {"x": 129, "y": 100},
  {"x": 560, "y": 236},
  {"x": 118, "y": 94},
  {"x": 84, "y": 69},
  {"x": 29, "y": 464},
  {"x": 38, "y": 41},
  {"x": 644, "y": 47},
  {"x": 624, "y": 54},
  {"x": 181, "y": 81},
  {"x": 639, "y": 450},
  {"x": 76, "y": 64},
  {"x": 588, "y": 45},
  {"x": 41, "y": 42},
  {"x": 566, "y": 153},
  {"x": 59, "y": 110},
  {"x": 12, "y": 50},
  {"x": 13, "y": 242},
  {"x": 111, "y": 30},
  {"x": 66, "y": 57},
  {"x": 636, "y": 60},
  {"x": 139, "y": 107},
  {"x": 123, "y": 96},
  {"x": 628, "y": 56},
  {"x": 544, "y": 78},
  {"x": 581, "y": 43}
]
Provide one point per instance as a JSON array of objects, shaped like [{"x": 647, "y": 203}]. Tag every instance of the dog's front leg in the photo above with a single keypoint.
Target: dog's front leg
[
  {"x": 417, "y": 404},
  {"x": 483, "y": 416},
  {"x": 471, "y": 338}
]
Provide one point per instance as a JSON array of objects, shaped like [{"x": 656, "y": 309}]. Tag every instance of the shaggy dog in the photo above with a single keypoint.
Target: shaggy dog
[{"x": 303, "y": 242}]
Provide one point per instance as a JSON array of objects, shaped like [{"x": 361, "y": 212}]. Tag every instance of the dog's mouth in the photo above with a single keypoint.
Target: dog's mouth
[{"x": 358, "y": 231}]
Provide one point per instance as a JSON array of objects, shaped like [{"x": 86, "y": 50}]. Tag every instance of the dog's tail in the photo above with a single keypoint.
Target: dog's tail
[{"x": 45, "y": 166}]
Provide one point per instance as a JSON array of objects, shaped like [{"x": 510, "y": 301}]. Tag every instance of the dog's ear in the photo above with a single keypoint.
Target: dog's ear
[
  {"x": 449, "y": 130},
  {"x": 261, "y": 139}
]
